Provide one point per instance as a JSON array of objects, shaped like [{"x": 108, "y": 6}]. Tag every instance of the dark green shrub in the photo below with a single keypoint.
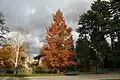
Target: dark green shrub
[
  {"x": 37, "y": 70},
  {"x": 10, "y": 70}
]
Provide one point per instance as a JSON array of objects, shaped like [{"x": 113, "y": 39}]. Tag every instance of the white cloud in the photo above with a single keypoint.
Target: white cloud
[
  {"x": 75, "y": 36},
  {"x": 29, "y": 11},
  {"x": 33, "y": 40},
  {"x": 34, "y": 44}
]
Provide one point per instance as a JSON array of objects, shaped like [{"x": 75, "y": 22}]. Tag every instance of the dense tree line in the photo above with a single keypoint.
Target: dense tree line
[{"x": 95, "y": 26}]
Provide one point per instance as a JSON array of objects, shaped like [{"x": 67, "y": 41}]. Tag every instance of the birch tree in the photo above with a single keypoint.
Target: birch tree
[{"x": 17, "y": 39}]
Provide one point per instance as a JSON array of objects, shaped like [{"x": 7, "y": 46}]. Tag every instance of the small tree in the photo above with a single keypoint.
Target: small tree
[
  {"x": 17, "y": 40},
  {"x": 59, "y": 52}
]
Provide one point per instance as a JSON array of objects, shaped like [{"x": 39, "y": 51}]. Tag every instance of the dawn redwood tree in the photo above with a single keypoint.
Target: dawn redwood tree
[
  {"x": 3, "y": 30},
  {"x": 59, "y": 51}
]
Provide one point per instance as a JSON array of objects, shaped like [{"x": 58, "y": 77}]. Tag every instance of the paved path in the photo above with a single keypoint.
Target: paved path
[{"x": 78, "y": 77}]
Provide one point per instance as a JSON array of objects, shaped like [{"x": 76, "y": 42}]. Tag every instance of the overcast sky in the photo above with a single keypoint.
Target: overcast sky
[{"x": 36, "y": 15}]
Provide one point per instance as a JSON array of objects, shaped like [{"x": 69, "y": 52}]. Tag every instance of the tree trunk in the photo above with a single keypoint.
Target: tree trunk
[
  {"x": 85, "y": 65},
  {"x": 58, "y": 71},
  {"x": 114, "y": 61},
  {"x": 16, "y": 61}
]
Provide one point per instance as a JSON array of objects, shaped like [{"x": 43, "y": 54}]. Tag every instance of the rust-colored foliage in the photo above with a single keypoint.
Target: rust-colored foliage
[
  {"x": 59, "y": 51},
  {"x": 7, "y": 54}
]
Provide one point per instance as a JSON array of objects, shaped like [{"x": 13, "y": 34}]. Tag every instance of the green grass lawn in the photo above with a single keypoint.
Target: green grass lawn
[{"x": 29, "y": 75}]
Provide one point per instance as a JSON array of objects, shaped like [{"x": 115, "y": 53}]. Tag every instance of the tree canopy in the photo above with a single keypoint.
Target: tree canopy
[
  {"x": 98, "y": 24},
  {"x": 4, "y": 30},
  {"x": 59, "y": 52}
]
